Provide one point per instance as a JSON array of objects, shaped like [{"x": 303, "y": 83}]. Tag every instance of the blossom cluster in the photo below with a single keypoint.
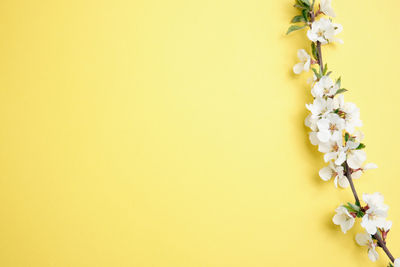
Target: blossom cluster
[{"x": 335, "y": 129}]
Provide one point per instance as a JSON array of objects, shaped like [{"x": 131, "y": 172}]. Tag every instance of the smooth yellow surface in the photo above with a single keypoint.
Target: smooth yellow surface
[{"x": 153, "y": 133}]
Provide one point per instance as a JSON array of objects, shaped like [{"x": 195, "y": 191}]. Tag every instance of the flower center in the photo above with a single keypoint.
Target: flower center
[
  {"x": 335, "y": 147},
  {"x": 372, "y": 216},
  {"x": 332, "y": 127}
]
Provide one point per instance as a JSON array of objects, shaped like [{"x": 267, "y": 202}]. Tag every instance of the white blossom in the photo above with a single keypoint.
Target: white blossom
[
  {"x": 305, "y": 62},
  {"x": 375, "y": 199},
  {"x": 349, "y": 112},
  {"x": 357, "y": 173},
  {"x": 324, "y": 31},
  {"x": 330, "y": 128},
  {"x": 326, "y": 8},
  {"x": 376, "y": 213},
  {"x": 358, "y": 136},
  {"x": 364, "y": 239},
  {"x": 355, "y": 157},
  {"x": 343, "y": 218},
  {"x": 324, "y": 87},
  {"x": 333, "y": 170},
  {"x": 321, "y": 106},
  {"x": 333, "y": 150},
  {"x": 397, "y": 262}
]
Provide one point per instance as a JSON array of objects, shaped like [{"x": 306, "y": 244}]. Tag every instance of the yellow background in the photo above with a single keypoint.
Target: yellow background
[{"x": 170, "y": 133}]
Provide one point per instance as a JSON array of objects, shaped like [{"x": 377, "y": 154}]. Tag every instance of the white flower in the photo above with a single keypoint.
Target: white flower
[
  {"x": 355, "y": 157},
  {"x": 375, "y": 200},
  {"x": 358, "y": 135},
  {"x": 333, "y": 150},
  {"x": 369, "y": 166},
  {"x": 397, "y": 262},
  {"x": 343, "y": 218},
  {"x": 332, "y": 170},
  {"x": 375, "y": 215},
  {"x": 324, "y": 87},
  {"x": 324, "y": 31},
  {"x": 305, "y": 62},
  {"x": 330, "y": 128},
  {"x": 372, "y": 219},
  {"x": 349, "y": 112},
  {"x": 326, "y": 8},
  {"x": 321, "y": 106},
  {"x": 365, "y": 239}
]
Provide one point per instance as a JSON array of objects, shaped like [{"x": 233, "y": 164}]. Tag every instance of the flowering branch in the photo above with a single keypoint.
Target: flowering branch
[{"x": 334, "y": 129}]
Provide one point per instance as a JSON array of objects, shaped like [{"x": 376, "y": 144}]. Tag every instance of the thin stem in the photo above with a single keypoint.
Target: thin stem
[
  {"x": 320, "y": 63},
  {"x": 383, "y": 246},
  {"x": 353, "y": 189},
  {"x": 347, "y": 169}
]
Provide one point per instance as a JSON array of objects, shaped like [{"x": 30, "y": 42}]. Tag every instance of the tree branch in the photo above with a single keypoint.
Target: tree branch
[{"x": 381, "y": 243}]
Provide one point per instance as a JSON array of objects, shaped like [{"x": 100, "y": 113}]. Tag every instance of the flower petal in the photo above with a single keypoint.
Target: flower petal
[
  {"x": 326, "y": 173},
  {"x": 356, "y": 174},
  {"x": 298, "y": 68},
  {"x": 372, "y": 254},
  {"x": 302, "y": 55},
  {"x": 363, "y": 239},
  {"x": 340, "y": 159},
  {"x": 370, "y": 166},
  {"x": 324, "y": 136},
  {"x": 343, "y": 182}
]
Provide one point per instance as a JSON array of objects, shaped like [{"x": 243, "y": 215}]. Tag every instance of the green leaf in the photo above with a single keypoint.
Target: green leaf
[
  {"x": 354, "y": 207},
  {"x": 341, "y": 90},
  {"x": 312, "y": 4},
  {"x": 361, "y": 146},
  {"x": 304, "y": 12},
  {"x": 329, "y": 73},
  {"x": 325, "y": 69},
  {"x": 390, "y": 265},
  {"x": 346, "y": 137},
  {"x": 294, "y": 28},
  {"x": 314, "y": 51},
  {"x": 360, "y": 214},
  {"x": 339, "y": 82},
  {"x": 298, "y": 2},
  {"x": 300, "y": 5},
  {"x": 298, "y": 18},
  {"x": 316, "y": 73},
  {"x": 349, "y": 208},
  {"x": 305, "y": 2}
]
